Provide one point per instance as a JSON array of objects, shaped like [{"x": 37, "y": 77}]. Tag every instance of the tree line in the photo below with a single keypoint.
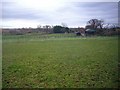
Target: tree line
[{"x": 94, "y": 24}]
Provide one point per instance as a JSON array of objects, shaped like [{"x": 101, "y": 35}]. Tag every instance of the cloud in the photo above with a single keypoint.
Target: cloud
[{"x": 26, "y": 13}]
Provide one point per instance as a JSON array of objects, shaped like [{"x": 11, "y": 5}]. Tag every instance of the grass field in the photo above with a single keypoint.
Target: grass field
[{"x": 59, "y": 61}]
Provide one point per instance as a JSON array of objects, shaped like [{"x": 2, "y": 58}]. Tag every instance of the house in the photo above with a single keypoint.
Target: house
[{"x": 90, "y": 32}]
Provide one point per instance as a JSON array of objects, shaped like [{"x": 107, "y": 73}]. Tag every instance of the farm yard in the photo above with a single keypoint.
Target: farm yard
[{"x": 59, "y": 61}]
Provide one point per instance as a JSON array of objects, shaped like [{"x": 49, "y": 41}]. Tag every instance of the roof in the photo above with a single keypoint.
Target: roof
[{"x": 91, "y": 30}]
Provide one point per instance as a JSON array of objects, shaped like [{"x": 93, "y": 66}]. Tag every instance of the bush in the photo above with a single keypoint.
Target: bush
[
  {"x": 57, "y": 29},
  {"x": 60, "y": 29}
]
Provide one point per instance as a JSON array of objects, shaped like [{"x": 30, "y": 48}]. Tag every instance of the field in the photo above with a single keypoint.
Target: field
[{"x": 59, "y": 61}]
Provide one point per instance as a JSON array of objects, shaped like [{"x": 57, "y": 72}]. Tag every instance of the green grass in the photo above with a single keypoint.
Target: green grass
[{"x": 63, "y": 61}]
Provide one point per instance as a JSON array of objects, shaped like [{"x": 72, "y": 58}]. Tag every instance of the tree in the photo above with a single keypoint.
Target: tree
[
  {"x": 47, "y": 26},
  {"x": 58, "y": 29},
  {"x": 39, "y": 26},
  {"x": 88, "y": 27},
  {"x": 95, "y": 23},
  {"x": 67, "y": 30},
  {"x": 111, "y": 26}
]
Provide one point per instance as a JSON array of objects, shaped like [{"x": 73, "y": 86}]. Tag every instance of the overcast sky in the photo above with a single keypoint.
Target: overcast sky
[{"x": 30, "y": 13}]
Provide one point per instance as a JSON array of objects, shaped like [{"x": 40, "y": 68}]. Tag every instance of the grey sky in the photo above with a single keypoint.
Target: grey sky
[{"x": 30, "y": 13}]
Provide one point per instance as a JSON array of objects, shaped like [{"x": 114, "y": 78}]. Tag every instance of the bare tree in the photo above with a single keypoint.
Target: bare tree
[
  {"x": 39, "y": 26},
  {"x": 111, "y": 25},
  {"x": 95, "y": 23}
]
